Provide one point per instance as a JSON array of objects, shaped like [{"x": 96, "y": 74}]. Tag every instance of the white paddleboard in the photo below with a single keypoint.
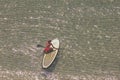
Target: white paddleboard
[{"x": 50, "y": 57}]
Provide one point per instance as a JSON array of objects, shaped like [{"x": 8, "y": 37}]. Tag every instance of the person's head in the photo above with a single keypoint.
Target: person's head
[{"x": 49, "y": 41}]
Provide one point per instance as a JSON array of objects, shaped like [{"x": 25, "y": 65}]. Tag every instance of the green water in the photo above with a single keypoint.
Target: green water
[{"x": 88, "y": 31}]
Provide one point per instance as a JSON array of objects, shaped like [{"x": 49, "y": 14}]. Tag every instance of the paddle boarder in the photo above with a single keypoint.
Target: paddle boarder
[
  {"x": 48, "y": 58},
  {"x": 49, "y": 47}
]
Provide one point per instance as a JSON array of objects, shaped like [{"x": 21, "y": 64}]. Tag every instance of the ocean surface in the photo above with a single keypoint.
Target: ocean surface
[{"x": 88, "y": 30}]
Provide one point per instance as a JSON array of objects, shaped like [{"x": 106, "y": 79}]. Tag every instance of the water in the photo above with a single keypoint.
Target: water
[{"x": 89, "y": 34}]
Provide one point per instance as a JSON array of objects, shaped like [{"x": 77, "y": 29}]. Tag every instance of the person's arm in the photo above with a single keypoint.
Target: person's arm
[{"x": 54, "y": 47}]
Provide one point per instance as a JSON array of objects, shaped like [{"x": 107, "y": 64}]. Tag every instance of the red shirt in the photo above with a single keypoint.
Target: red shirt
[{"x": 48, "y": 48}]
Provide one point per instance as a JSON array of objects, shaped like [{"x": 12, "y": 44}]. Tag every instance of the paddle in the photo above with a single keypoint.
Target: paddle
[{"x": 40, "y": 46}]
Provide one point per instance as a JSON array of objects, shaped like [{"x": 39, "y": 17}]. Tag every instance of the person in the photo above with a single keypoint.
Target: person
[{"x": 49, "y": 47}]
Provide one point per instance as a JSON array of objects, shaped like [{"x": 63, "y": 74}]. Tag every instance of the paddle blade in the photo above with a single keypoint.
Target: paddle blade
[{"x": 40, "y": 45}]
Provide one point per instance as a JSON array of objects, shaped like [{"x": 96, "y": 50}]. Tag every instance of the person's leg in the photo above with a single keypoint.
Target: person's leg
[{"x": 50, "y": 50}]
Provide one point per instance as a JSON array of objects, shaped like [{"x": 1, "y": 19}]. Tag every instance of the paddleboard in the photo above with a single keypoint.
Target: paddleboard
[{"x": 50, "y": 57}]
